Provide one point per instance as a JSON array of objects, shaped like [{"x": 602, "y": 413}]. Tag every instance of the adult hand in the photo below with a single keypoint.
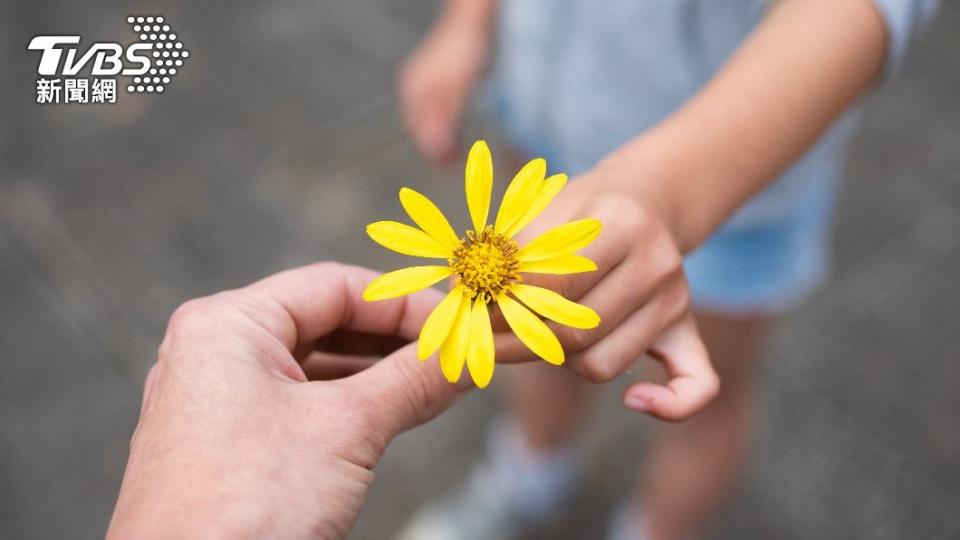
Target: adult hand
[{"x": 244, "y": 434}]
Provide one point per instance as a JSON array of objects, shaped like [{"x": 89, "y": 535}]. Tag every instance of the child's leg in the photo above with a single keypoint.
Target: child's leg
[
  {"x": 695, "y": 464},
  {"x": 545, "y": 403},
  {"x": 529, "y": 470}
]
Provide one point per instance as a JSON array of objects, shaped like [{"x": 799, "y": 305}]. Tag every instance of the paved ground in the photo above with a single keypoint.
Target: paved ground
[{"x": 280, "y": 140}]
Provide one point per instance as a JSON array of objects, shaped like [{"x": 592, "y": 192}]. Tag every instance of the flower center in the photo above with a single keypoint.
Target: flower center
[{"x": 486, "y": 264}]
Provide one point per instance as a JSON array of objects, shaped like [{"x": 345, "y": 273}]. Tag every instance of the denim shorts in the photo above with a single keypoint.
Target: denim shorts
[{"x": 620, "y": 66}]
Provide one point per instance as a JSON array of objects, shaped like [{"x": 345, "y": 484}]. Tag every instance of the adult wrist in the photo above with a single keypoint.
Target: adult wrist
[{"x": 170, "y": 496}]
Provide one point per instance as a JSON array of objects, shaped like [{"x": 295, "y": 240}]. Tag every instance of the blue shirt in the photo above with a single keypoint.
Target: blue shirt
[{"x": 575, "y": 79}]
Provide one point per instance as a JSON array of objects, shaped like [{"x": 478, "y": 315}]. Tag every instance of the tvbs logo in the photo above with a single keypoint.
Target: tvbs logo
[
  {"x": 152, "y": 62},
  {"x": 107, "y": 57}
]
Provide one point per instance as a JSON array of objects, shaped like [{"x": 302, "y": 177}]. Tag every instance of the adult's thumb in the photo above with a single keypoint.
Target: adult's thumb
[{"x": 407, "y": 392}]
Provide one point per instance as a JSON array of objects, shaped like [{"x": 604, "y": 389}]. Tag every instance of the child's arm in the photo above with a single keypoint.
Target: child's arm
[
  {"x": 805, "y": 63},
  {"x": 664, "y": 192},
  {"x": 477, "y": 14},
  {"x": 437, "y": 82}
]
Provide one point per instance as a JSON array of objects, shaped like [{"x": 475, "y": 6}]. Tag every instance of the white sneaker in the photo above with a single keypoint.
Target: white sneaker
[{"x": 513, "y": 491}]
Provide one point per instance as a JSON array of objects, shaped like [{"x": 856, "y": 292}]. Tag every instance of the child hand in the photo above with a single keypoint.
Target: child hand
[
  {"x": 436, "y": 83},
  {"x": 641, "y": 295}
]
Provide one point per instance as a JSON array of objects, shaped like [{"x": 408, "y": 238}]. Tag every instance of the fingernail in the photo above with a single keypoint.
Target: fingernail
[{"x": 636, "y": 403}]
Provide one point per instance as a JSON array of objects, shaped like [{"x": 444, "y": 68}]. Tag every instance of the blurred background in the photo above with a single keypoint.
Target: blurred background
[{"x": 280, "y": 139}]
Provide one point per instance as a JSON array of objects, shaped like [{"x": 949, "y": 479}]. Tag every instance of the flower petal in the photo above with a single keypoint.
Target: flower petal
[
  {"x": 408, "y": 240},
  {"x": 453, "y": 352},
  {"x": 405, "y": 281},
  {"x": 560, "y": 265},
  {"x": 520, "y": 194},
  {"x": 532, "y": 331},
  {"x": 555, "y": 307},
  {"x": 480, "y": 350},
  {"x": 426, "y": 214},
  {"x": 437, "y": 326},
  {"x": 548, "y": 190},
  {"x": 561, "y": 240},
  {"x": 479, "y": 183}
]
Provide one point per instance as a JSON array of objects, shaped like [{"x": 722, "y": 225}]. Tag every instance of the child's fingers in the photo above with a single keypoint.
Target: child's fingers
[
  {"x": 435, "y": 136},
  {"x": 642, "y": 273},
  {"x": 607, "y": 252},
  {"x": 608, "y": 301},
  {"x": 629, "y": 323},
  {"x": 693, "y": 381},
  {"x": 430, "y": 124},
  {"x": 618, "y": 296},
  {"x": 416, "y": 111},
  {"x": 509, "y": 349},
  {"x": 628, "y": 276},
  {"x": 610, "y": 252},
  {"x": 429, "y": 113},
  {"x": 629, "y": 340}
]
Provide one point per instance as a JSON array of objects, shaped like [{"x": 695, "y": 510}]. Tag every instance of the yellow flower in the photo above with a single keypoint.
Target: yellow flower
[{"x": 486, "y": 266}]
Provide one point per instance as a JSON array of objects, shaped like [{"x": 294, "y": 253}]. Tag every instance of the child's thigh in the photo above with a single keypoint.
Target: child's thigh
[{"x": 735, "y": 343}]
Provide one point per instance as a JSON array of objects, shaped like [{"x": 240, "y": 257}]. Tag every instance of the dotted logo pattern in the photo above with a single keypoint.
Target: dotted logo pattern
[{"x": 167, "y": 57}]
